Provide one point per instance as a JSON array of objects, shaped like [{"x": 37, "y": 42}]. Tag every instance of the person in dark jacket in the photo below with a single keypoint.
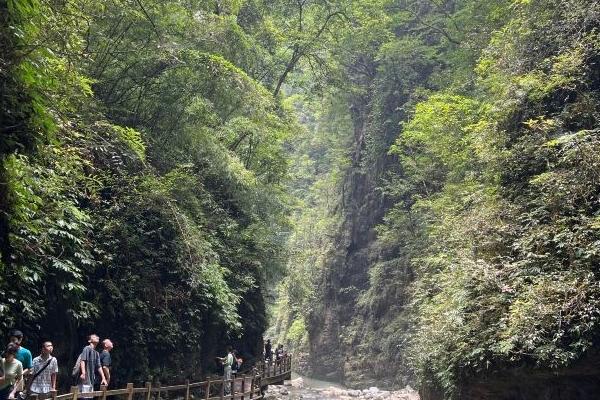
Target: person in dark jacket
[{"x": 268, "y": 351}]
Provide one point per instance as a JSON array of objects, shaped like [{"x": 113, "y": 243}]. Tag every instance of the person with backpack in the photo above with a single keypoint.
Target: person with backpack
[
  {"x": 44, "y": 371},
  {"x": 87, "y": 365},
  {"x": 228, "y": 362},
  {"x": 12, "y": 372}
]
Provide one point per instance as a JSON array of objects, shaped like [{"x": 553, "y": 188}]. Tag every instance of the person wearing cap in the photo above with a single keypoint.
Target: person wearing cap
[{"x": 12, "y": 372}]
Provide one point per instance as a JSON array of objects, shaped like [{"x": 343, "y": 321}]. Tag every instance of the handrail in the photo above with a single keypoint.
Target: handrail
[{"x": 250, "y": 386}]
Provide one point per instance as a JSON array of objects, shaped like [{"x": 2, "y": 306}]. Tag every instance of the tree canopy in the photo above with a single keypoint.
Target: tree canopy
[{"x": 414, "y": 182}]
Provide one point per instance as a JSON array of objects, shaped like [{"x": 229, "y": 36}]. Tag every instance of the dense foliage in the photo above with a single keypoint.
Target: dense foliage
[
  {"x": 487, "y": 256},
  {"x": 142, "y": 165},
  {"x": 509, "y": 271},
  {"x": 425, "y": 173}
]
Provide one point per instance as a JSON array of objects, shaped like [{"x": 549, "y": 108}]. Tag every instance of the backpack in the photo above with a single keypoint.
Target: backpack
[{"x": 76, "y": 368}]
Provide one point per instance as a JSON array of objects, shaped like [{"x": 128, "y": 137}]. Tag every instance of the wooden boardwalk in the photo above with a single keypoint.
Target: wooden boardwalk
[
  {"x": 247, "y": 386},
  {"x": 274, "y": 374}
]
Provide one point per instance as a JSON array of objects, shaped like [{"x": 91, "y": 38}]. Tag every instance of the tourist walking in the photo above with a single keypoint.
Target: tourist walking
[
  {"x": 44, "y": 370},
  {"x": 268, "y": 351},
  {"x": 12, "y": 372},
  {"x": 106, "y": 360},
  {"x": 89, "y": 364}
]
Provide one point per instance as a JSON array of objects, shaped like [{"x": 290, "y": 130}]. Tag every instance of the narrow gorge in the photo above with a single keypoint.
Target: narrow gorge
[{"x": 404, "y": 194}]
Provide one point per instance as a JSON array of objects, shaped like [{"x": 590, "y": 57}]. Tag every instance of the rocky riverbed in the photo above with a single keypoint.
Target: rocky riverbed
[{"x": 299, "y": 389}]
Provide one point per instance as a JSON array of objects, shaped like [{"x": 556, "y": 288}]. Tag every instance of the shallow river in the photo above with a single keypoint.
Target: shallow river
[{"x": 313, "y": 389}]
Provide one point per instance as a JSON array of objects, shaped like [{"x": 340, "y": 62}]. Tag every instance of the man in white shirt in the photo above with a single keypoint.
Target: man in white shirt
[{"x": 45, "y": 381}]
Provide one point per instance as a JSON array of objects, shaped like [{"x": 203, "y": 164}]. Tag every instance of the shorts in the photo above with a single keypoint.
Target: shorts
[
  {"x": 4, "y": 393},
  {"x": 84, "y": 388}
]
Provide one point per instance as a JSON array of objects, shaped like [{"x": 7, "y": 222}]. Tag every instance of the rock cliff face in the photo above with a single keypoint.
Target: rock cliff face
[
  {"x": 334, "y": 324},
  {"x": 498, "y": 215}
]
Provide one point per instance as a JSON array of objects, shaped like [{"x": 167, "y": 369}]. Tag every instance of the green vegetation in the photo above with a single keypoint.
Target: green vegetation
[
  {"x": 477, "y": 123},
  {"x": 424, "y": 173},
  {"x": 142, "y": 172}
]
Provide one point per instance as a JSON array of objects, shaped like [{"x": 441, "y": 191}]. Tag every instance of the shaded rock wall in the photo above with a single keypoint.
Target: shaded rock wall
[{"x": 333, "y": 355}]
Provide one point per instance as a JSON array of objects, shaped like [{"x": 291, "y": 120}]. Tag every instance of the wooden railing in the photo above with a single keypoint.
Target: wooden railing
[
  {"x": 243, "y": 387},
  {"x": 275, "y": 372}
]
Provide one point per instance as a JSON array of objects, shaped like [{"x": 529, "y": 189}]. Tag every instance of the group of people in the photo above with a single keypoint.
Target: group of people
[
  {"x": 278, "y": 353},
  {"x": 91, "y": 362},
  {"x": 232, "y": 363},
  {"x": 20, "y": 375}
]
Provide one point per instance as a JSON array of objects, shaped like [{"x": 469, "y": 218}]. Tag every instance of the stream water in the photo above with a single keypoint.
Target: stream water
[{"x": 304, "y": 388}]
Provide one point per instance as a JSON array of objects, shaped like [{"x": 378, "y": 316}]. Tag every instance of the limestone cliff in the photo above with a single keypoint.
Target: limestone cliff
[{"x": 340, "y": 325}]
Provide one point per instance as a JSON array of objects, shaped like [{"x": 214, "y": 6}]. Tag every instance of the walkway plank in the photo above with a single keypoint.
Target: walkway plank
[{"x": 272, "y": 374}]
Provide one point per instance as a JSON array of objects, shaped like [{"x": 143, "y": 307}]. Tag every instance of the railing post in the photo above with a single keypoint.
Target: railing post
[
  {"x": 243, "y": 386},
  {"x": 248, "y": 390},
  {"x": 130, "y": 391},
  {"x": 149, "y": 390},
  {"x": 75, "y": 392},
  {"x": 207, "y": 394},
  {"x": 103, "y": 389}
]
